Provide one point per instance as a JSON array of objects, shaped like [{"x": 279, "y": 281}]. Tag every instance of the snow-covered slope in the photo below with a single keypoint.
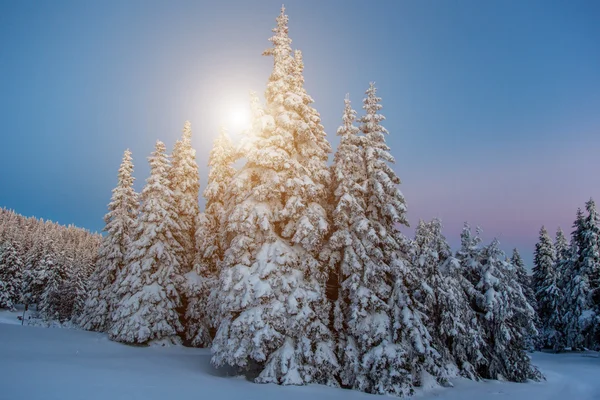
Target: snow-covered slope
[{"x": 66, "y": 364}]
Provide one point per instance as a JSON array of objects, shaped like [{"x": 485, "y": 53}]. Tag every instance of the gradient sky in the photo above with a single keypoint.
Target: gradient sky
[{"x": 493, "y": 107}]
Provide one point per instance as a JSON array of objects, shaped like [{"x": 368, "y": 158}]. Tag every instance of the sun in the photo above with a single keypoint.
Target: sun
[{"x": 238, "y": 118}]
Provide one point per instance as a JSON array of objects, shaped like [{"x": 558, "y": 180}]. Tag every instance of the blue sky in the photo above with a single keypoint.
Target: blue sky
[{"x": 492, "y": 107}]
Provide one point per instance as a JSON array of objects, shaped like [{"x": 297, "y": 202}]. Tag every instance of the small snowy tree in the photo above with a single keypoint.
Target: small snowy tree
[
  {"x": 120, "y": 223},
  {"x": 444, "y": 297},
  {"x": 506, "y": 317},
  {"x": 11, "y": 269},
  {"x": 148, "y": 297},
  {"x": 184, "y": 183}
]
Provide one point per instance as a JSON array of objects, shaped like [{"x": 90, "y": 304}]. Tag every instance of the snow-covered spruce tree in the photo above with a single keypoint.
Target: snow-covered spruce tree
[
  {"x": 557, "y": 340},
  {"x": 561, "y": 247},
  {"x": 406, "y": 355},
  {"x": 185, "y": 185},
  {"x": 469, "y": 254},
  {"x": 589, "y": 258},
  {"x": 49, "y": 304},
  {"x": 444, "y": 296},
  {"x": 506, "y": 317},
  {"x": 273, "y": 311},
  {"x": 221, "y": 159},
  {"x": 77, "y": 288},
  {"x": 11, "y": 269},
  {"x": 362, "y": 314},
  {"x": 34, "y": 274},
  {"x": 120, "y": 224},
  {"x": 523, "y": 277},
  {"x": 576, "y": 286},
  {"x": 39, "y": 268},
  {"x": 146, "y": 311},
  {"x": 209, "y": 251},
  {"x": 544, "y": 282},
  {"x": 525, "y": 281}
]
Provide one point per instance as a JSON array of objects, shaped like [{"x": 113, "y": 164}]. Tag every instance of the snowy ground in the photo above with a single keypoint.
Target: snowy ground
[{"x": 67, "y": 364}]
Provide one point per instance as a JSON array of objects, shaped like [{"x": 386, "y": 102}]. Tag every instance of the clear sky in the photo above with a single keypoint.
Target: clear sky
[{"x": 493, "y": 107}]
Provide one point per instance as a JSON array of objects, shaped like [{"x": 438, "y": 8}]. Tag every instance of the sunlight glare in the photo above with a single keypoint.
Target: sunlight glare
[{"x": 239, "y": 118}]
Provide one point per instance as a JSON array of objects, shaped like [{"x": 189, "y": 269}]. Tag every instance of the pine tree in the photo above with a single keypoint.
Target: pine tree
[
  {"x": 576, "y": 289},
  {"x": 39, "y": 267},
  {"x": 582, "y": 270},
  {"x": 589, "y": 271},
  {"x": 545, "y": 284},
  {"x": 120, "y": 224},
  {"x": 561, "y": 245},
  {"x": 562, "y": 266},
  {"x": 54, "y": 272},
  {"x": 444, "y": 297},
  {"x": 148, "y": 296},
  {"x": 209, "y": 251},
  {"x": 273, "y": 309},
  {"x": 221, "y": 159},
  {"x": 184, "y": 183},
  {"x": 506, "y": 317},
  {"x": 525, "y": 281},
  {"x": 11, "y": 269},
  {"x": 362, "y": 315},
  {"x": 402, "y": 353}
]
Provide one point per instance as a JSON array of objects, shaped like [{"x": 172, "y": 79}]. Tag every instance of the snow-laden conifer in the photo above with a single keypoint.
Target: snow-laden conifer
[
  {"x": 11, "y": 270},
  {"x": 119, "y": 228},
  {"x": 544, "y": 282},
  {"x": 581, "y": 317},
  {"x": 184, "y": 183},
  {"x": 221, "y": 159},
  {"x": 362, "y": 315},
  {"x": 147, "y": 293},
  {"x": 557, "y": 340},
  {"x": 506, "y": 317},
  {"x": 209, "y": 251},
  {"x": 273, "y": 310},
  {"x": 402, "y": 354},
  {"x": 444, "y": 296},
  {"x": 525, "y": 281}
]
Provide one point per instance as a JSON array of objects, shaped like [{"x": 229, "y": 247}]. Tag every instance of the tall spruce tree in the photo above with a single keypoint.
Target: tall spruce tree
[
  {"x": 589, "y": 272},
  {"x": 545, "y": 284},
  {"x": 11, "y": 270},
  {"x": 119, "y": 228},
  {"x": 148, "y": 297},
  {"x": 403, "y": 354},
  {"x": 184, "y": 183},
  {"x": 273, "y": 309},
  {"x": 221, "y": 159},
  {"x": 562, "y": 270},
  {"x": 209, "y": 251},
  {"x": 576, "y": 288},
  {"x": 362, "y": 314}
]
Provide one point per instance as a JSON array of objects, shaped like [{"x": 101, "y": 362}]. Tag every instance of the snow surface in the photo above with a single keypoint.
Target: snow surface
[{"x": 68, "y": 364}]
